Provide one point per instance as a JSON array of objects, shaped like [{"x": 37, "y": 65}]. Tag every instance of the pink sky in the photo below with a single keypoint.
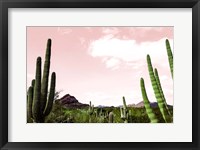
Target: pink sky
[{"x": 102, "y": 64}]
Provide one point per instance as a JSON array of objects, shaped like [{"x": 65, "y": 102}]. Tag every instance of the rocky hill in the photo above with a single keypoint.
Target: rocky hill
[{"x": 69, "y": 101}]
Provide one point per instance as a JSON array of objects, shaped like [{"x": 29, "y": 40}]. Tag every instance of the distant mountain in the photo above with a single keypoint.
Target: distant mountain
[
  {"x": 69, "y": 101},
  {"x": 101, "y": 106},
  {"x": 141, "y": 104}
]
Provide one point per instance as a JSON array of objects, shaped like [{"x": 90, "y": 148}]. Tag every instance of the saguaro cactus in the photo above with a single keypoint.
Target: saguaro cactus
[{"x": 39, "y": 105}]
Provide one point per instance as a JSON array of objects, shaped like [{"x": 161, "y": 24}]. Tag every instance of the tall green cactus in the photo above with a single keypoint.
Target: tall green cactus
[
  {"x": 157, "y": 92},
  {"x": 148, "y": 108},
  {"x": 170, "y": 56},
  {"x": 40, "y": 106}
]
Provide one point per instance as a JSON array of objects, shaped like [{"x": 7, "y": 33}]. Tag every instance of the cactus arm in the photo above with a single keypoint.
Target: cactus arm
[
  {"x": 51, "y": 95},
  {"x": 30, "y": 102},
  {"x": 160, "y": 88},
  {"x": 45, "y": 78},
  {"x": 148, "y": 108},
  {"x": 170, "y": 56},
  {"x": 157, "y": 93},
  {"x": 36, "y": 98},
  {"x": 33, "y": 85}
]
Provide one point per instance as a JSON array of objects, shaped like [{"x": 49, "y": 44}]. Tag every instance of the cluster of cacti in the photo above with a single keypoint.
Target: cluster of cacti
[
  {"x": 39, "y": 101},
  {"x": 155, "y": 81},
  {"x": 124, "y": 111},
  {"x": 97, "y": 114}
]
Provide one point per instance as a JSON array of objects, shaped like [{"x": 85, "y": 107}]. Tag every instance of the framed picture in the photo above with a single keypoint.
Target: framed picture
[{"x": 101, "y": 75}]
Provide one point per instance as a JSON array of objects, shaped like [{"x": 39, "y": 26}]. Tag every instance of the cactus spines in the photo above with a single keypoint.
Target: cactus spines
[
  {"x": 170, "y": 56},
  {"x": 45, "y": 78},
  {"x": 41, "y": 106},
  {"x": 111, "y": 117},
  {"x": 148, "y": 108},
  {"x": 160, "y": 100}
]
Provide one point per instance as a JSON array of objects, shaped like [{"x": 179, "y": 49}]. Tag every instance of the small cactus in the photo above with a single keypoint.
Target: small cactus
[
  {"x": 90, "y": 111},
  {"x": 124, "y": 111},
  {"x": 111, "y": 117}
]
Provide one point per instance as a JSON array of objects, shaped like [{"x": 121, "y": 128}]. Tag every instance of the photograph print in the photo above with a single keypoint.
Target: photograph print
[{"x": 99, "y": 74}]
